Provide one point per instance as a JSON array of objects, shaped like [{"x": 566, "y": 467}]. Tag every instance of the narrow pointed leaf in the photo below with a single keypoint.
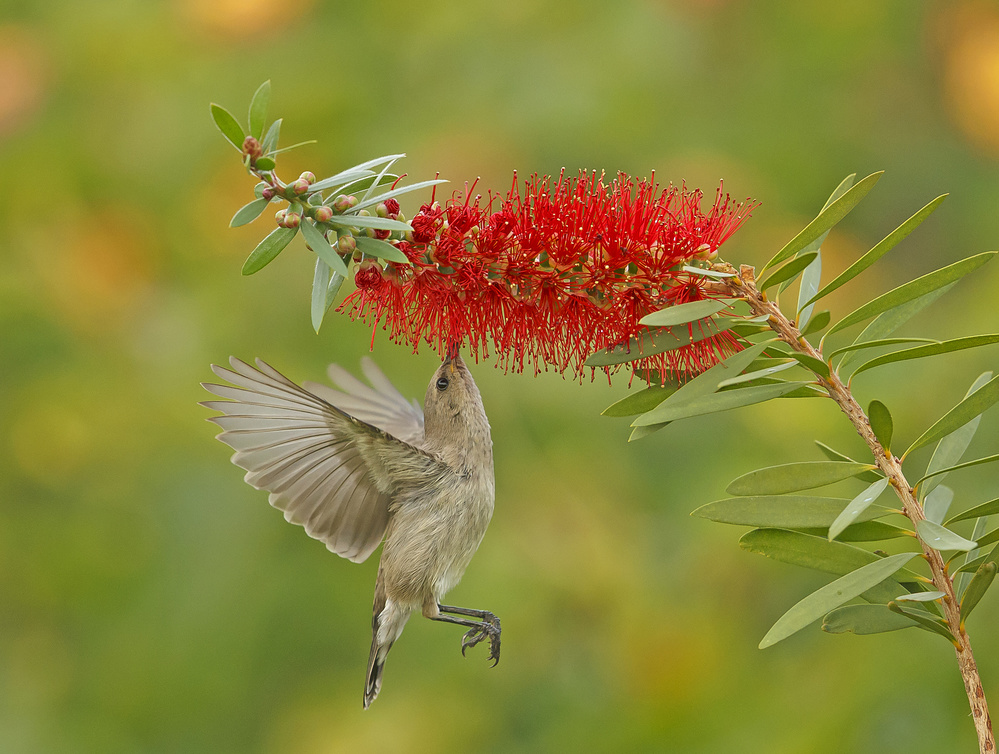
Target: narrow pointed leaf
[
  {"x": 265, "y": 163},
  {"x": 782, "y": 511},
  {"x": 878, "y": 344},
  {"x": 831, "y": 596},
  {"x": 791, "y": 477},
  {"x": 340, "y": 179},
  {"x": 818, "y": 323},
  {"x": 810, "y": 280},
  {"x": 984, "y": 509},
  {"x": 913, "y": 290},
  {"x": 856, "y": 507},
  {"x": 684, "y": 313},
  {"x": 272, "y": 245},
  {"x": 789, "y": 271},
  {"x": 258, "y": 110},
  {"x": 375, "y": 248},
  {"x": 887, "y": 323},
  {"x": 640, "y": 402},
  {"x": 972, "y": 565},
  {"x": 714, "y": 403},
  {"x": 881, "y": 423},
  {"x": 937, "y": 503},
  {"x": 659, "y": 340},
  {"x": 293, "y": 146},
  {"x": 973, "y": 405},
  {"x": 951, "y": 448},
  {"x": 315, "y": 238},
  {"x": 320, "y": 284},
  {"x": 248, "y": 213},
  {"x": 940, "y": 538},
  {"x": 361, "y": 221},
  {"x": 362, "y": 184},
  {"x": 864, "y": 620},
  {"x": 920, "y": 597},
  {"x": 924, "y": 619},
  {"x": 958, "y": 467},
  {"x": 980, "y": 583},
  {"x": 270, "y": 142},
  {"x": 817, "y": 553},
  {"x": 397, "y": 192},
  {"x": 865, "y": 531},
  {"x": 835, "y": 455},
  {"x": 826, "y": 220},
  {"x": 639, "y": 433},
  {"x": 810, "y": 362},
  {"x": 879, "y": 250},
  {"x": 750, "y": 376},
  {"x": 932, "y": 349},
  {"x": 229, "y": 126}
]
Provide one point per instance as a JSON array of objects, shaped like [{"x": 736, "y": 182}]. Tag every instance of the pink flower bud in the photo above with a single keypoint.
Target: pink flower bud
[
  {"x": 323, "y": 214},
  {"x": 308, "y": 177},
  {"x": 346, "y": 244}
]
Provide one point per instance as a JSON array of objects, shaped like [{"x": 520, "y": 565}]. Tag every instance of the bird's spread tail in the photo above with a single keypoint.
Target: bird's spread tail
[{"x": 386, "y": 627}]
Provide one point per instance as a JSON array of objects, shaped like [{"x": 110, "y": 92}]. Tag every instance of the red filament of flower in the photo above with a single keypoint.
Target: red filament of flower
[{"x": 552, "y": 272}]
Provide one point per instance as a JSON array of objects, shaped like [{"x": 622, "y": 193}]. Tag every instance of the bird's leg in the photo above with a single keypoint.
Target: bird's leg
[{"x": 488, "y": 626}]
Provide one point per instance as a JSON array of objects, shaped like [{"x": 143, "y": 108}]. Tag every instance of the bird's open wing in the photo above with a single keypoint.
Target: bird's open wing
[
  {"x": 328, "y": 471},
  {"x": 380, "y": 405}
]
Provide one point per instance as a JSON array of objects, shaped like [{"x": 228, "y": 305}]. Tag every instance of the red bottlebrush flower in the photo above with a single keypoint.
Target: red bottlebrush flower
[{"x": 552, "y": 272}]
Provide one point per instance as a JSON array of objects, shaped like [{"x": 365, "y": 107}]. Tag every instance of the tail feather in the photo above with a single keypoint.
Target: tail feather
[
  {"x": 376, "y": 664},
  {"x": 387, "y": 621}
]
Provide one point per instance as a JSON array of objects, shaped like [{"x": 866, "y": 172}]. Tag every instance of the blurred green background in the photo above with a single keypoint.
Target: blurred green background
[{"x": 150, "y": 601}]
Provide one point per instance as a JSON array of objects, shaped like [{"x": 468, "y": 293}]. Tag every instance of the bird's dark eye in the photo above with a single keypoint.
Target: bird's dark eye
[{"x": 442, "y": 383}]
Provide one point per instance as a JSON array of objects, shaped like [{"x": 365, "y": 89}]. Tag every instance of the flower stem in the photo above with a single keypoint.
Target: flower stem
[{"x": 744, "y": 286}]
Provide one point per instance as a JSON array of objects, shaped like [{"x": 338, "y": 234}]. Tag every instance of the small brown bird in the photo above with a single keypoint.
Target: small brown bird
[{"x": 357, "y": 466}]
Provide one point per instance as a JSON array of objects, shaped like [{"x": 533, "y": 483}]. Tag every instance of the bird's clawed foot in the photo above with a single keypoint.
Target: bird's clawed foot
[{"x": 489, "y": 628}]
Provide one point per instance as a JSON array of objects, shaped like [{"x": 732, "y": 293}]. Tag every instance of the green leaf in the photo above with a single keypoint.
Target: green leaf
[
  {"x": 958, "y": 467},
  {"x": 856, "y": 507},
  {"x": 951, "y": 448},
  {"x": 340, "y": 179},
  {"x": 248, "y": 213},
  {"x": 320, "y": 285},
  {"x": 817, "y": 323},
  {"x": 716, "y": 402},
  {"x": 375, "y": 248},
  {"x": 399, "y": 191},
  {"x": 651, "y": 342},
  {"x": 937, "y": 503},
  {"x": 818, "y": 553},
  {"x": 921, "y": 597},
  {"x": 983, "y": 509},
  {"x": 265, "y": 164},
  {"x": 718, "y": 275},
  {"x": 972, "y": 565},
  {"x": 810, "y": 280},
  {"x": 791, "y": 477},
  {"x": 840, "y": 591},
  {"x": 973, "y": 405},
  {"x": 258, "y": 110},
  {"x": 913, "y": 290},
  {"x": 939, "y": 538},
  {"x": 835, "y": 455},
  {"x": 270, "y": 141},
  {"x": 789, "y": 271},
  {"x": 317, "y": 241},
  {"x": 362, "y": 221},
  {"x": 924, "y": 619},
  {"x": 881, "y": 423},
  {"x": 980, "y": 583},
  {"x": 639, "y": 403},
  {"x": 879, "y": 250},
  {"x": 878, "y": 344},
  {"x": 782, "y": 511},
  {"x": 758, "y": 374},
  {"x": 681, "y": 314},
  {"x": 228, "y": 125},
  {"x": 828, "y": 218},
  {"x": 887, "y": 323},
  {"x": 865, "y": 531},
  {"x": 641, "y": 432},
  {"x": 863, "y": 620},
  {"x": 812, "y": 363},
  {"x": 288, "y": 149},
  {"x": 272, "y": 245},
  {"x": 362, "y": 184},
  {"x": 933, "y": 349}
]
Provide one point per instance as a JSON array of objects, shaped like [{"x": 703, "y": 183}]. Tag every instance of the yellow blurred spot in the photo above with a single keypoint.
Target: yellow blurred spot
[
  {"x": 22, "y": 77},
  {"x": 971, "y": 73},
  {"x": 240, "y": 19},
  {"x": 49, "y": 442}
]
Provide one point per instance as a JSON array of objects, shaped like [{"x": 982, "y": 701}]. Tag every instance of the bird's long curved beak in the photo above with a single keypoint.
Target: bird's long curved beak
[{"x": 452, "y": 355}]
